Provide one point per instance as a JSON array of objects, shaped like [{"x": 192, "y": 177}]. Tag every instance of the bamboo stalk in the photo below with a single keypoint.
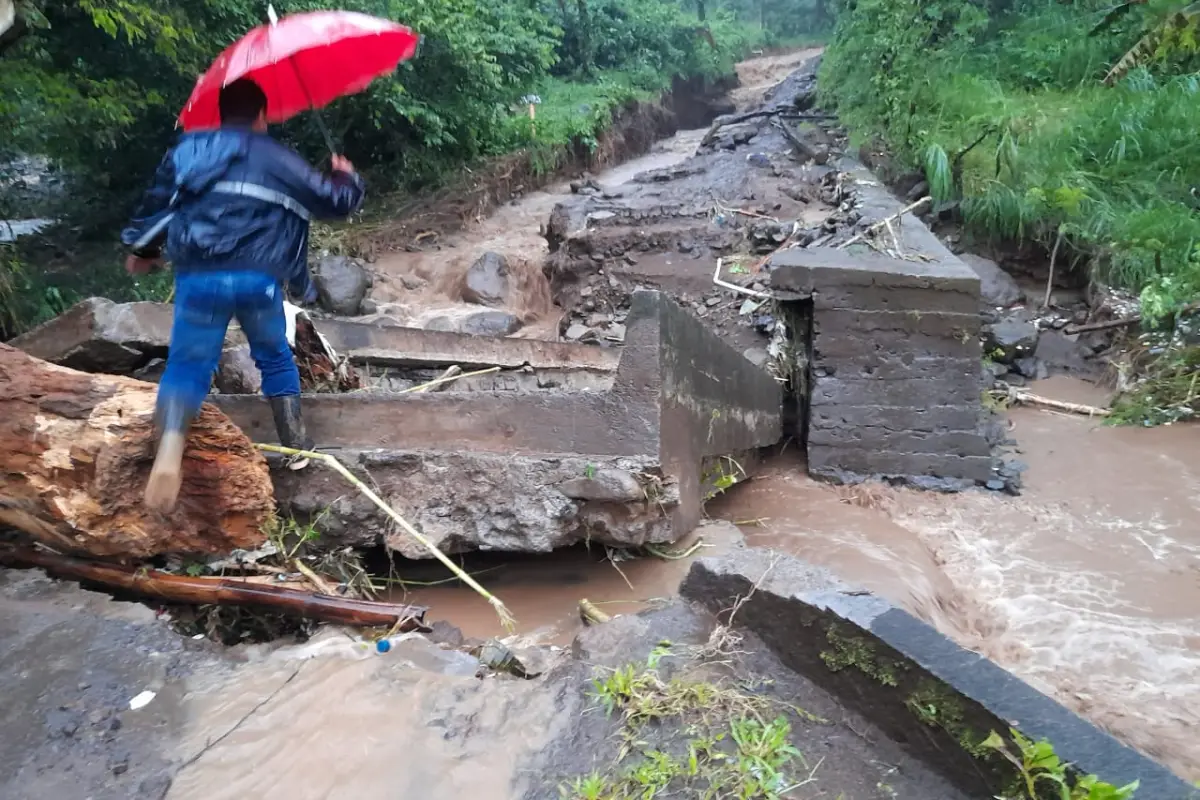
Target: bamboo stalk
[
  {"x": 506, "y": 618},
  {"x": 592, "y": 615},
  {"x": 217, "y": 591},
  {"x": 447, "y": 379},
  {"x": 1061, "y": 405}
]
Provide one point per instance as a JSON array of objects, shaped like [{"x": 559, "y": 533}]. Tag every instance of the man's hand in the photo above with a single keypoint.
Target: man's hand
[
  {"x": 341, "y": 164},
  {"x": 136, "y": 265}
]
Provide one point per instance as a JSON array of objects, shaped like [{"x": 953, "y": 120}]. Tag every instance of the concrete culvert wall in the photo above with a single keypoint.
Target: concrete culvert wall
[
  {"x": 937, "y": 700},
  {"x": 533, "y": 470}
]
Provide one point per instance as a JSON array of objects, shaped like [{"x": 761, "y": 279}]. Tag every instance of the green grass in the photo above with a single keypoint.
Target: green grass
[
  {"x": 691, "y": 738},
  {"x": 1042, "y": 149}
]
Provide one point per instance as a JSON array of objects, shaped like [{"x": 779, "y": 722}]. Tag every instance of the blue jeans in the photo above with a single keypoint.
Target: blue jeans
[{"x": 205, "y": 302}]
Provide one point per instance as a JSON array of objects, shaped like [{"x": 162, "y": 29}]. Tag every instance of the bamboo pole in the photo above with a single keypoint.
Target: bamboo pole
[
  {"x": 446, "y": 379},
  {"x": 506, "y": 618}
]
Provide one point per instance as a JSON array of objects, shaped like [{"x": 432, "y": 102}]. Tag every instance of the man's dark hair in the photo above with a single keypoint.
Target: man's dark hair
[{"x": 241, "y": 102}]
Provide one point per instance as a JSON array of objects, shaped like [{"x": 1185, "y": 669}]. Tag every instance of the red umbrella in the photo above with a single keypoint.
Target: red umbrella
[{"x": 303, "y": 62}]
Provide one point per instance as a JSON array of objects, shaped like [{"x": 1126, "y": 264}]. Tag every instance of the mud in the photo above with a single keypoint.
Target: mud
[{"x": 422, "y": 720}]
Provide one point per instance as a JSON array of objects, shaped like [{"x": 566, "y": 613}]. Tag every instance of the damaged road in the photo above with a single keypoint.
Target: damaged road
[{"x": 764, "y": 291}]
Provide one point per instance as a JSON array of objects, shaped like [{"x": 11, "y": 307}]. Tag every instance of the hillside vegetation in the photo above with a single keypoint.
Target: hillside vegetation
[
  {"x": 1054, "y": 121},
  {"x": 94, "y": 87}
]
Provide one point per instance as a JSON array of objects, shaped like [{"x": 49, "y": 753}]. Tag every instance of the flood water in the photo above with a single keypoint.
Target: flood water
[{"x": 1087, "y": 585}]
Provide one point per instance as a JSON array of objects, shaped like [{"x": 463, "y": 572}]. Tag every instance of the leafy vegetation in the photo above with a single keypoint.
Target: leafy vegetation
[
  {"x": 729, "y": 744},
  {"x": 1045, "y": 776},
  {"x": 1041, "y": 121},
  {"x": 94, "y": 88}
]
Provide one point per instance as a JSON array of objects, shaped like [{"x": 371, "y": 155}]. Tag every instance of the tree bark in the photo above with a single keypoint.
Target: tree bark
[{"x": 76, "y": 450}]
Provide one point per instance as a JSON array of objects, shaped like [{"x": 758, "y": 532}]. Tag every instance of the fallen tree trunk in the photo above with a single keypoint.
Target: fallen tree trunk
[
  {"x": 75, "y": 453},
  {"x": 170, "y": 588}
]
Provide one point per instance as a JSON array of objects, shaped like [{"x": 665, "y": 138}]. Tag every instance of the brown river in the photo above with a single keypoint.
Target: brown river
[{"x": 1087, "y": 585}]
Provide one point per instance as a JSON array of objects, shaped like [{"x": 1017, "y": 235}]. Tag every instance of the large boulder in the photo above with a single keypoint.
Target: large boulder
[
  {"x": 997, "y": 288},
  {"x": 342, "y": 284},
  {"x": 487, "y": 281}
]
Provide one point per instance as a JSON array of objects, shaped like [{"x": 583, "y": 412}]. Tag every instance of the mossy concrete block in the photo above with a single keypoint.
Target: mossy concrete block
[{"x": 923, "y": 690}]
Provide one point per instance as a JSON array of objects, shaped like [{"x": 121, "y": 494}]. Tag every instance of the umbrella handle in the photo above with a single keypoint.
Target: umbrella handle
[{"x": 325, "y": 134}]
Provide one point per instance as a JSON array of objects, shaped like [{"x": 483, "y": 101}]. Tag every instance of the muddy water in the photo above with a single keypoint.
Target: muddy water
[{"x": 1088, "y": 585}]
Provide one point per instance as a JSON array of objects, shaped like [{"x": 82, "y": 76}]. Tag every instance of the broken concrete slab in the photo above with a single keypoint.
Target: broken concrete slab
[
  {"x": 904, "y": 676},
  {"x": 413, "y": 347},
  {"x": 497, "y": 470},
  {"x": 98, "y": 335}
]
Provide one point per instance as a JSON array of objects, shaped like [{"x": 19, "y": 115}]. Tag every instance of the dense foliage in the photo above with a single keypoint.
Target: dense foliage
[
  {"x": 94, "y": 86},
  {"x": 1048, "y": 121}
]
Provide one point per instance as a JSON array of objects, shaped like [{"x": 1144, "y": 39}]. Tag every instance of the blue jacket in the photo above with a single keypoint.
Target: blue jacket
[{"x": 234, "y": 199}]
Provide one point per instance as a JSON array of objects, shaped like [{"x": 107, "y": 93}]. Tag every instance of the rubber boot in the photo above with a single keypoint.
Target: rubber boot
[
  {"x": 166, "y": 477},
  {"x": 289, "y": 423}
]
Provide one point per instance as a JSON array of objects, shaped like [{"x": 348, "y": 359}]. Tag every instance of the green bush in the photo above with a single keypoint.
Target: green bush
[{"x": 1004, "y": 108}]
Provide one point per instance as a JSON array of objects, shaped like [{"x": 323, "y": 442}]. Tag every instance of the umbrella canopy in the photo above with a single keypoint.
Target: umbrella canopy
[{"x": 303, "y": 61}]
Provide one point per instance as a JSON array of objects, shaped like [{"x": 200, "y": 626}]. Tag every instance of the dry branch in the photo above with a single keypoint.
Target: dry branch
[
  {"x": 883, "y": 223},
  {"x": 1019, "y": 397},
  {"x": 1103, "y": 326},
  {"x": 170, "y": 588}
]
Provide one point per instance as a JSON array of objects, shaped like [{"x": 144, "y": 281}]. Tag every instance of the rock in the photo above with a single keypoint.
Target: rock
[
  {"x": 1010, "y": 339},
  {"x": 442, "y": 323},
  {"x": 757, "y": 356},
  {"x": 342, "y": 283},
  {"x": 577, "y": 332},
  {"x": 487, "y": 281},
  {"x": 413, "y": 283},
  {"x": 368, "y": 307},
  {"x": 153, "y": 371},
  {"x": 1061, "y": 351},
  {"x": 237, "y": 373},
  {"x": 490, "y": 323},
  {"x": 996, "y": 287},
  {"x": 606, "y": 485},
  {"x": 1031, "y": 368}
]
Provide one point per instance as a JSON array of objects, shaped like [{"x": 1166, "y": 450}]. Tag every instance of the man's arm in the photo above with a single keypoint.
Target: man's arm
[
  {"x": 332, "y": 196},
  {"x": 148, "y": 229}
]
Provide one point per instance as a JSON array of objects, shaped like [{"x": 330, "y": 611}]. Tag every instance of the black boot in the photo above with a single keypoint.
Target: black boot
[{"x": 288, "y": 422}]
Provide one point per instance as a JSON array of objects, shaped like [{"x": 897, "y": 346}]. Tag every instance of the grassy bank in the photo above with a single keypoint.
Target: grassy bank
[{"x": 1005, "y": 108}]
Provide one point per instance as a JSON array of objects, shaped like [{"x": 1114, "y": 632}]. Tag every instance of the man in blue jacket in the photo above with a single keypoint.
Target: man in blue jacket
[{"x": 233, "y": 207}]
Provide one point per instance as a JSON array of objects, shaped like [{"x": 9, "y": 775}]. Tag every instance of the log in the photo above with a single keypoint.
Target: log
[
  {"x": 76, "y": 450},
  {"x": 170, "y": 588}
]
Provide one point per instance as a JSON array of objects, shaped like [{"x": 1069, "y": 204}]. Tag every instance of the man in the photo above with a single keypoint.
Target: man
[{"x": 233, "y": 206}]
